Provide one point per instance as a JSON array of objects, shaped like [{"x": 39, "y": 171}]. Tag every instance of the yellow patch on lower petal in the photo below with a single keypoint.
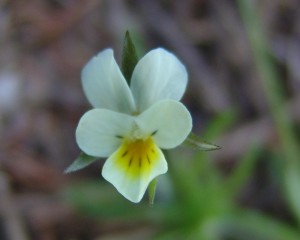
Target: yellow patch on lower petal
[{"x": 137, "y": 157}]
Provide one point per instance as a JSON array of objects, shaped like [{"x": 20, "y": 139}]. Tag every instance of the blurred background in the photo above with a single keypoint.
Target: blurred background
[{"x": 243, "y": 59}]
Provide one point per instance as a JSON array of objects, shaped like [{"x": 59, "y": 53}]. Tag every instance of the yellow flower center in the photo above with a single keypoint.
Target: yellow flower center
[{"x": 137, "y": 157}]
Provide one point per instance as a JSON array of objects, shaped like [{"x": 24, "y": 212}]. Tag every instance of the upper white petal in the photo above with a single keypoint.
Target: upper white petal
[
  {"x": 99, "y": 131},
  {"x": 168, "y": 121},
  {"x": 132, "y": 188},
  {"x": 105, "y": 86},
  {"x": 158, "y": 75}
]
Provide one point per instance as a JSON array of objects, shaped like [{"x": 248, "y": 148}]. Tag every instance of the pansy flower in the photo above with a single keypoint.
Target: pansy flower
[{"x": 129, "y": 125}]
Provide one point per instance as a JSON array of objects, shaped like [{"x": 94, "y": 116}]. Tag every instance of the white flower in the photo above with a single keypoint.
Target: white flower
[{"x": 131, "y": 124}]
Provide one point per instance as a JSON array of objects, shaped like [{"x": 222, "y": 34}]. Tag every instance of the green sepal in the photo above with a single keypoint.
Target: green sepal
[
  {"x": 195, "y": 142},
  {"x": 129, "y": 57},
  {"x": 82, "y": 161},
  {"x": 151, "y": 191}
]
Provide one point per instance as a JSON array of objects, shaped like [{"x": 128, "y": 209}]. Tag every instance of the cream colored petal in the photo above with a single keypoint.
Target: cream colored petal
[
  {"x": 168, "y": 121},
  {"x": 104, "y": 84},
  {"x": 158, "y": 75},
  {"x": 100, "y": 131}
]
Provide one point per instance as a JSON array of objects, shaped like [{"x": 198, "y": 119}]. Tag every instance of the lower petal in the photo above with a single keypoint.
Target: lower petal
[{"x": 133, "y": 166}]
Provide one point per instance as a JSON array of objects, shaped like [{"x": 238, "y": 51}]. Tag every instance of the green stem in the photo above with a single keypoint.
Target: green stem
[
  {"x": 151, "y": 191},
  {"x": 276, "y": 99},
  {"x": 270, "y": 80}
]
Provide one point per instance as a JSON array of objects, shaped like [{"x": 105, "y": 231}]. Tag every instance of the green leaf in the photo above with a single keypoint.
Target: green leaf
[
  {"x": 249, "y": 224},
  {"x": 195, "y": 142},
  {"x": 97, "y": 199},
  {"x": 292, "y": 180},
  {"x": 243, "y": 170},
  {"x": 82, "y": 161},
  {"x": 129, "y": 57}
]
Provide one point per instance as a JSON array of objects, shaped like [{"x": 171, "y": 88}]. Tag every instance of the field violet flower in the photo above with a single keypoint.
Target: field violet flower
[{"x": 131, "y": 124}]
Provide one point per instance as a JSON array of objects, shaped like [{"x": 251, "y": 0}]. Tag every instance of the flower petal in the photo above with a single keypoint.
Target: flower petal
[
  {"x": 100, "y": 131},
  {"x": 158, "y": 75},
  {"x": 168, "y": 121},
  {"x": 133, "y": 166},
  {"x": 104, "y": 84}
]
